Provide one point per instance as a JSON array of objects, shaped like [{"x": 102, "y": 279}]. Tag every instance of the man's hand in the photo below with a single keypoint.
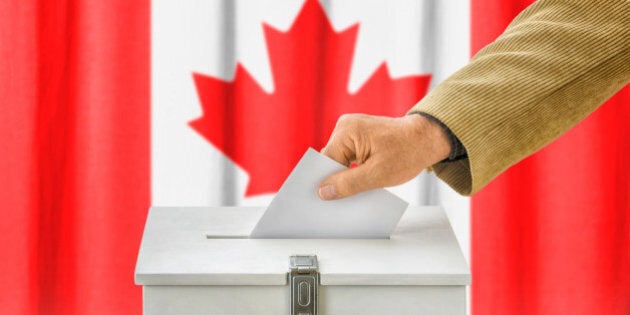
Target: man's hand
[{"x": 388, "y": 152}]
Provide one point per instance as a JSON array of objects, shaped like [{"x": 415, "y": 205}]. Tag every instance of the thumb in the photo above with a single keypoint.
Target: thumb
[{"x": 347, "y": 183}]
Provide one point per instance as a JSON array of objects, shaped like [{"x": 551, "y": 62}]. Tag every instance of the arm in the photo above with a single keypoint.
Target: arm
[{"x": 554, "y": 64}]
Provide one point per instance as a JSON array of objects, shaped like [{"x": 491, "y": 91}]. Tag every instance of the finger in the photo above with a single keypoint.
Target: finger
[
  {"x": 348, "y": 182},
  {"x": 339, "y": 153}
]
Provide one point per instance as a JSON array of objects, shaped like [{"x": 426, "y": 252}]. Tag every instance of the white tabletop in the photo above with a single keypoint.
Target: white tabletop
[{"x": 207, "y": 246}]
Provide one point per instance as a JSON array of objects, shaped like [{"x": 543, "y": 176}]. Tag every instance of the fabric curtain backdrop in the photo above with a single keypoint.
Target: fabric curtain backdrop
[
  {"x": 244, "y": 49},
  {"x": 74, "y": 154},
  {"x": 84, "y": 153},
  {"x": 241, "y": 88},
  {"x": 552, "y": 234},
  {"x": 82, "y": 150}
]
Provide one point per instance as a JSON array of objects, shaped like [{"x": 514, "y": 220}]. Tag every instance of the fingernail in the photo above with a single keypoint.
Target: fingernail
[{"x": 327, "y": 192}]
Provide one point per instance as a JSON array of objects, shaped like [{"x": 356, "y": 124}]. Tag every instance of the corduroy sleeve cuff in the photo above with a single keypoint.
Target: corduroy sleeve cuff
[
  {"x": 454, "y": 170},
  {"x": 526, "y": 89},
  {"x": 458, "y": 151}
]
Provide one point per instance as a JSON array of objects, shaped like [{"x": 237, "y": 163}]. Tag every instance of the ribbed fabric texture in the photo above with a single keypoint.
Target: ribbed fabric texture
[
  {"x": 458, "y": 151},
  {"x": 554, "y": 64}
]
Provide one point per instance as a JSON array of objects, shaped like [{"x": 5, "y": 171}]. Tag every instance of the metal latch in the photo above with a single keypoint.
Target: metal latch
[{"x": 303, "y": 282}]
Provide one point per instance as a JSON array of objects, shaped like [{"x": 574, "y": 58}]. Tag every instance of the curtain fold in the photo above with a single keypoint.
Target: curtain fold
[
  {"x": 551, "y": 235},
  {"x": 74, "y": 147}
]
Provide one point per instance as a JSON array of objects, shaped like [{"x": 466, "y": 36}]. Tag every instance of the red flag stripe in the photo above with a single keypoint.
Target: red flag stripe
[
  {"x": 550, "y": 235},
  {"x": 75, "y": 154}
]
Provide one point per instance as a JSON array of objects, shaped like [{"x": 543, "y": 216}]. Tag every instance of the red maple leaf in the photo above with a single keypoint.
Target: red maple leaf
[{"x": 267, "y": 133}]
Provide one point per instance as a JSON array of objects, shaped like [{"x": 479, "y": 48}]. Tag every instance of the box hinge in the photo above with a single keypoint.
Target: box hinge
[{"x": 303, "y": 283}]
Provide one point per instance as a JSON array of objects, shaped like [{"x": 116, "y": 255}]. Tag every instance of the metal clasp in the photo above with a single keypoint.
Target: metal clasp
[{"x": 303, "y": 283}]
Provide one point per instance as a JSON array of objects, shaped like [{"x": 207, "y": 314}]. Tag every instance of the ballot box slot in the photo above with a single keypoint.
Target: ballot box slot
[
  {"x": 215, "y": 237},
  {"x": 223, "y": 236}
]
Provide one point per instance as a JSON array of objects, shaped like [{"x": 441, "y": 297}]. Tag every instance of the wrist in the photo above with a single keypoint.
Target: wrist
[{"x": 434, "y": 136}]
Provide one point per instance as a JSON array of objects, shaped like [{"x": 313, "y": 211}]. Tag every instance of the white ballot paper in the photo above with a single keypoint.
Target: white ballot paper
[{"x": 297, "y": 212}]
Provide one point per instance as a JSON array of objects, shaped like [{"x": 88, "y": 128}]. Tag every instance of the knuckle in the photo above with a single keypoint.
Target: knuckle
[
  {"x": 346, "y": 119},
  {"x": 346, "y": 187},
  {"x": 343, "y": 119}
]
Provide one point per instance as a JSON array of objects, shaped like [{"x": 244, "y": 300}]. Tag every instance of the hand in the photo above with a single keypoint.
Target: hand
[{"x": 387, "y": 151}]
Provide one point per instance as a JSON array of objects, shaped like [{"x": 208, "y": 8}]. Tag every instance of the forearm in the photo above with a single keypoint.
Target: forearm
[{"x": 553, "y": 66}]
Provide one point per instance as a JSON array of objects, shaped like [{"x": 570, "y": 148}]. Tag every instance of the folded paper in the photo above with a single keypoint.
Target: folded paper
[{"x": 297, "y": 212}]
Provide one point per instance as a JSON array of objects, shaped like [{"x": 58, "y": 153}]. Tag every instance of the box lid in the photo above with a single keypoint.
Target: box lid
[{"x": 209, "y": 246}]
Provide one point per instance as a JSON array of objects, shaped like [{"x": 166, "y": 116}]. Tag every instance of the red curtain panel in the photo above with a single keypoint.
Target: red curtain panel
[
  {"x": 552, "y": 234},
  {"x": 74, "y": 154}
]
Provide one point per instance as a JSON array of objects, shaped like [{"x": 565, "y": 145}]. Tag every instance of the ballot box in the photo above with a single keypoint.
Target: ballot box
[{"x": 201, "y": 261}]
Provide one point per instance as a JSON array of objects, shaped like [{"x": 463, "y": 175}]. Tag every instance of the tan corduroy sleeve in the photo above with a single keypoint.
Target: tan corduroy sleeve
[{"x": 555, "y": 64}]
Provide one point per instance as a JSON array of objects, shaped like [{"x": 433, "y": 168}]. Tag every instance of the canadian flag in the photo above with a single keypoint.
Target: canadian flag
[
  {"x": 110, "y": 107},
  {"x": 243, "y": 88}
]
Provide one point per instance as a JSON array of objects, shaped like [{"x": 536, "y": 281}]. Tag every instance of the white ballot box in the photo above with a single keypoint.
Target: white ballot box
[{"x": 201, "y": 261}]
